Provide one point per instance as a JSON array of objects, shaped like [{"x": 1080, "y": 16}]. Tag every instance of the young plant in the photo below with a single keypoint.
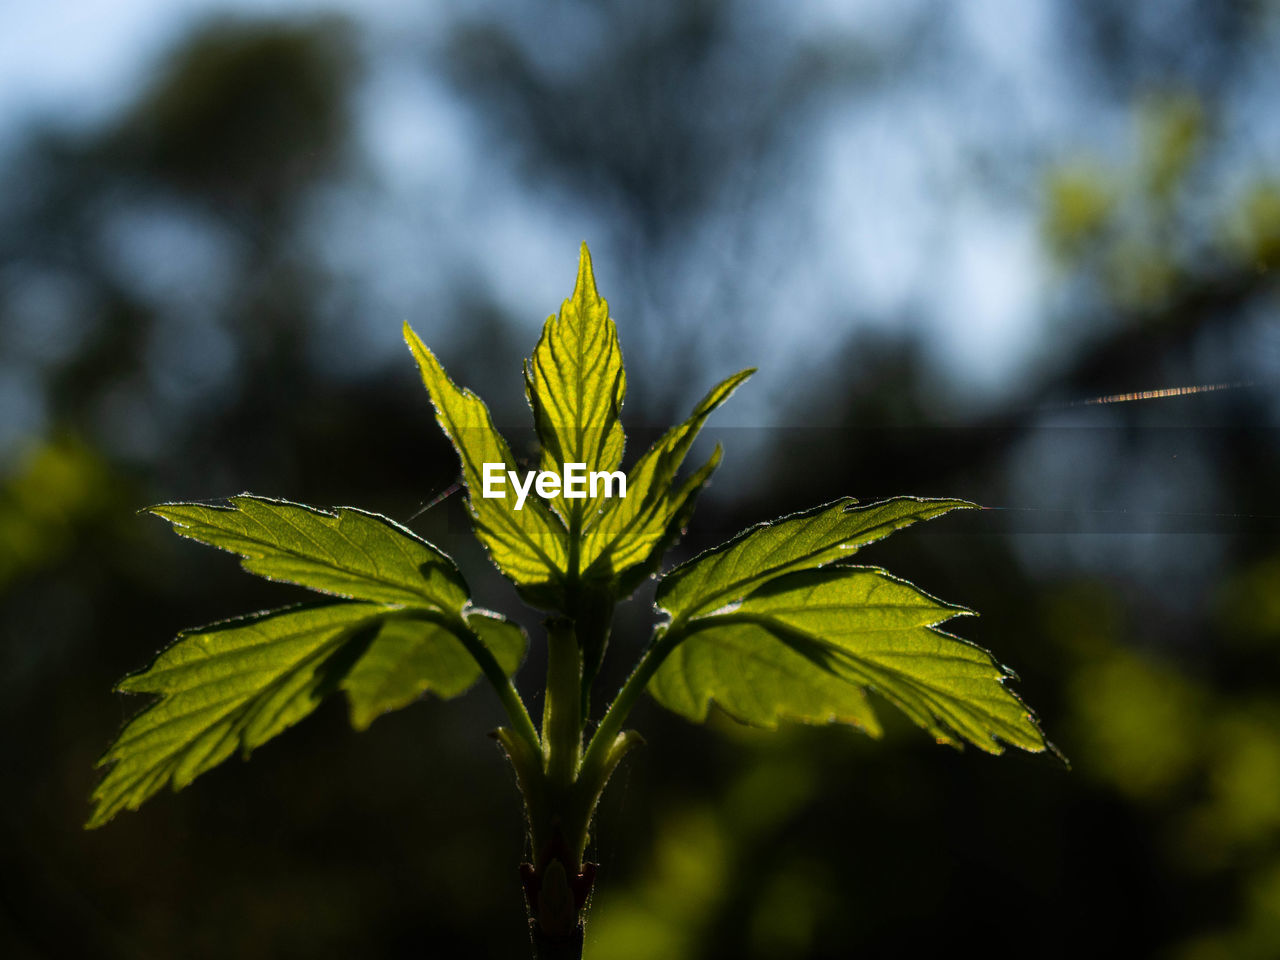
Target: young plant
[{"x": 775, "y": 624}]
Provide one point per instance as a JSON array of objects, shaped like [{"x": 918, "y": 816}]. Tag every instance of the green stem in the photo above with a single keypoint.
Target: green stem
[
  {"x": 517, "y": 712},
  {"x": 562, "y": 708},
  {"x": 595, "y": 759},
  {"x": 588, "y": 789},
  {"x": 561, "y": 714}
]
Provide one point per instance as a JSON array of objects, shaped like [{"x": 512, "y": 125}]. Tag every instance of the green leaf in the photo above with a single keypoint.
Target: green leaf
[
  {"x": 528, "y": 545},
  {"x": 236, "y": 684},
  {"x": 776, "y": 624},
  {"x": 807, "y": 645},
  {"x": 575, "y": 384},
  {"x": 411, "y": 657},
  {"x": 346, "y": 552},
  {"x": 812, "y": 538},
  {"x": 232, "y": 685},
  {"x": 633, "y": 531},
  {"x": 676, "y": 519}
]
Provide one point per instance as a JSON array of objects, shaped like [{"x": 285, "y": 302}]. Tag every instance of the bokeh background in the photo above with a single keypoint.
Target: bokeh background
[{"x": 939, "y": 228}]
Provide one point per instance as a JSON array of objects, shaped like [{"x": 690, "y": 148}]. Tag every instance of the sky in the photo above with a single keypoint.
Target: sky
[{"x": 925, "y": 209}]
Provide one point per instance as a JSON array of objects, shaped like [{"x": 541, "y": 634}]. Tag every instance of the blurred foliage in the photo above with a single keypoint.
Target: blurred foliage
[
  {"x": 1255, "y": 225},
  {"x": 1129, "y": 225},
  {"x": 1079, "y": 208},
  {"x": 1147, "y": 638},
  {"x": 245, "y": 116},
  {"x": 55, "y": 488}
]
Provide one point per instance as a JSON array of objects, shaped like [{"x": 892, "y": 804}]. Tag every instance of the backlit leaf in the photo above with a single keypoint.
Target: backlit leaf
[
  {"x": 410, "y": 657},
  {"x": 527, "y": 545},
  {"x": 808, "y": 644},
  {"x": 226, "y": 687},
  {"x": 630, "y": 530},
  {"x": 346, "y": 551},
  {"x": 800, "y": 541},
  {"x": 575, "y": 383}
]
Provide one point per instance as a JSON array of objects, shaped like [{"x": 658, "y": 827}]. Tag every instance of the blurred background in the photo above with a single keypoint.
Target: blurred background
[{"x": 941, "y": 230}]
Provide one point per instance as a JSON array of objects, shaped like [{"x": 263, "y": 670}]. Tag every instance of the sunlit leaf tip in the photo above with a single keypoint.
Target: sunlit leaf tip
[
  {"x": 585, "y": 293},
  {"x": 575, "y": 383}
]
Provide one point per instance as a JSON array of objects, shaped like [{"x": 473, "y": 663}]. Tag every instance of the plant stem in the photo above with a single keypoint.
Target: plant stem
[
  {"x": 561, "y": 715},
  {"x": 517, "y": 712},
  {"x": 597, "y": 752}
]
